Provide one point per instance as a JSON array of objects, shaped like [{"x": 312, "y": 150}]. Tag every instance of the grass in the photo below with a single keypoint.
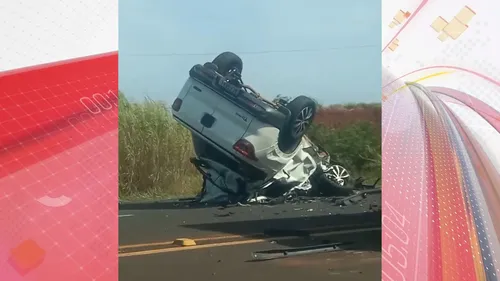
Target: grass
[
  {"x": 154, "y": 150},
  {"x": 154, "y": 153}
]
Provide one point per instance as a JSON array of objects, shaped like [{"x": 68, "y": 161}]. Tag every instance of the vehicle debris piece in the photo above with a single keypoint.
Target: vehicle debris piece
[
  {"x": 353, "y": 199},
  {"x": 279, "y": 254},
  {"x": 375, "y": 207}
]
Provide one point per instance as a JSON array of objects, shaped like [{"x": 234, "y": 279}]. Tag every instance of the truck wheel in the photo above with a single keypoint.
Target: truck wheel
[
  {"x": 302, "y": 113},
  {"x": 339, "y": 175},
  {"x": 227, "y": 61},
  {"x": 326, "y": 186}
]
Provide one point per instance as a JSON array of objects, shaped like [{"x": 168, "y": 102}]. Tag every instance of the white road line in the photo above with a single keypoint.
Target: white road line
[{"x": 122, "y": 216}]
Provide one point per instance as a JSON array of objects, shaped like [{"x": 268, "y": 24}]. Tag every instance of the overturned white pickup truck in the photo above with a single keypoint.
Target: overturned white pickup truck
[{"x": 246, "y": 145}]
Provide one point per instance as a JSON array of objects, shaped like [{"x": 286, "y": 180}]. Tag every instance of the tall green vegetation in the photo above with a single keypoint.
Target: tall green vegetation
[{"x": 154, "y": 150}]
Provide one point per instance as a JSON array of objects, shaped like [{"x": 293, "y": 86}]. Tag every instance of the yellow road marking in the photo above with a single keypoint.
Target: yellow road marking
[
  {"x": 225, "y": 237},
  {"x": 177, "y": 249},
  {"x": 165, "y": 243},
  {"x": 233, "y": 243}
]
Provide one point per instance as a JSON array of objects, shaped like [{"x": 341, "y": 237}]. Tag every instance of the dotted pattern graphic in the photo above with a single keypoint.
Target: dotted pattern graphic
[
  {"x": 58, "y": 171},
  {"x": 441, "y": 162},
  {"x": 35, "y": 33}
]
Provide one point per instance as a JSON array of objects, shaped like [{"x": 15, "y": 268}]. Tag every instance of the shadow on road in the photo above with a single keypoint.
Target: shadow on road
[
  {"x": 175, "y": 204},
  {"x": 307, "y": 223},
  {"x": 191, "y": 204},
  {"x": 311, "y": 230}
]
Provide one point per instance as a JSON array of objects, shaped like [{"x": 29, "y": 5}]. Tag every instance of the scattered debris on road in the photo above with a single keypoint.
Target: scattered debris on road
[
  {"x": 224, "y": 187},
  {"x": 356, "y": 198}
]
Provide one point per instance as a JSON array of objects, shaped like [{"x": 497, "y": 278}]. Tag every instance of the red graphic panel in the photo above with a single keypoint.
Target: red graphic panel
[{"x": 58, "y": 171}]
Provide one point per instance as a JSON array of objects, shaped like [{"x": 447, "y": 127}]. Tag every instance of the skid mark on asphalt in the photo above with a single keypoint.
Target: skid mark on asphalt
[{"x": 232, "y": 243}]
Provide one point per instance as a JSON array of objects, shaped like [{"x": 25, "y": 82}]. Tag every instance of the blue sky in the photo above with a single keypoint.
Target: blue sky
[{"x": 327, "y": 49}]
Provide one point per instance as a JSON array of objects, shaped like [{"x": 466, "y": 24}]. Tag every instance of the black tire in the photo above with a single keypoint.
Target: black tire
[
  {"x": 302, "y": 112},
  {"x": 227, "y": 61},
  {"x": 327, "y": 187}
]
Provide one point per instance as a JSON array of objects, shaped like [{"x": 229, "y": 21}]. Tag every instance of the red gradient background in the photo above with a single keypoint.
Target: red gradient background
[{"x": 53, "y": 146}]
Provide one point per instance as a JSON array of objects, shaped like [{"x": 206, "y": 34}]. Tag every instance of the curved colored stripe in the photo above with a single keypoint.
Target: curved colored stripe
[
  {"x": 484, "y": 168},
  {"x": 487, "y": 78},
  {"x": 478, "y": 227},
  {"x": 449, "y": 203},
  {"x": 489, "y": 114},
  {"x": 448, "y": 196},
  {"x": 433, "y": 75},
  {"x": 405, "y": 223}
]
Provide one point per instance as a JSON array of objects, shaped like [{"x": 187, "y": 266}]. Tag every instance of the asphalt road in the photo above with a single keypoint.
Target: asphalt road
[{"x": 226, "y": 239}]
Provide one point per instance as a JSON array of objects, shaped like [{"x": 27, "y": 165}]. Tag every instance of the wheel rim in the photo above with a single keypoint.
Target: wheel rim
[
  {"x": 302, "y": 121},
  {"x": 339, "y": 174}
]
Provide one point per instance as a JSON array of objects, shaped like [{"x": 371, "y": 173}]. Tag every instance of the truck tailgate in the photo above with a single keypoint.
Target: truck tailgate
[
  {"x": 212, "y": 115},
  {"x": 195, "y": 105},
  {"x": 230, "y": 125}
]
